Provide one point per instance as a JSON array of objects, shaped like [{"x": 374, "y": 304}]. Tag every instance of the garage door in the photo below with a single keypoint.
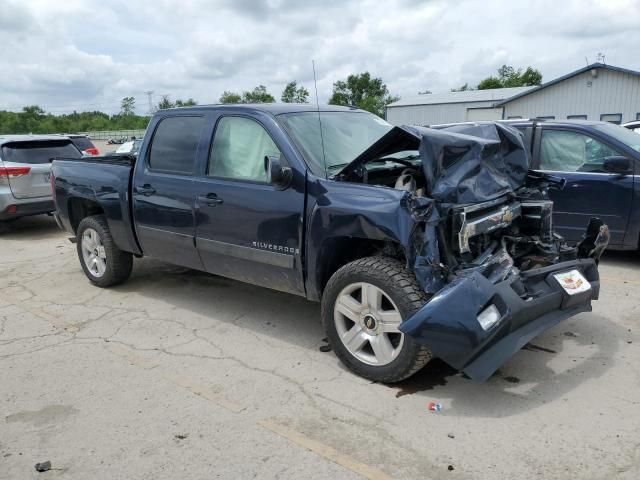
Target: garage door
[{"x": 475, "y": 114}]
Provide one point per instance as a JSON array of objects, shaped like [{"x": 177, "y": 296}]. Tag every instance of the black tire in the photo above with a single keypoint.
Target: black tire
[
  {"x": 118, "y": 263},
  {"x": 400, "y": 286}
]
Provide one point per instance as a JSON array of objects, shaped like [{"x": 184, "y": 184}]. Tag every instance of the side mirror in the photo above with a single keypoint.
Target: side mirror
[
  {"x": 617, "y": 164},
  {"x": 277, "y": 175}
]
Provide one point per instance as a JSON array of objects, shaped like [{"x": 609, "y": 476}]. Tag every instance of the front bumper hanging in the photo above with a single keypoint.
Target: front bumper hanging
[{"x": 523, "y": 306}]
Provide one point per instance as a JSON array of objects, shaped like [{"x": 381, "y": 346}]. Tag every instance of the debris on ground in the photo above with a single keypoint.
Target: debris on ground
[
  {"x": 451, "y": 435},
  {"x": 325, "y": 348},
  {"x": 43, "y": 467},
  {"x": 434, "y": 407},
  {"x": 450, "y": 468},
  {"x": 181, "y": 436}
]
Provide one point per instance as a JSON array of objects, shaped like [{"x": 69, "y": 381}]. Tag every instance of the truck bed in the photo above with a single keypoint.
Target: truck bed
[{"x": 101, "y": 183}]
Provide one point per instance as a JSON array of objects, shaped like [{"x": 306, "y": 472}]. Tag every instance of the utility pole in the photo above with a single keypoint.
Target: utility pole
[{"x": 149, "y": 94}]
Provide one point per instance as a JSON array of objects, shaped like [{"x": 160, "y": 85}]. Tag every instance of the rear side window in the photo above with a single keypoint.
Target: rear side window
[
  {"x": 175, "y": 143},
  {"x": 82, "y": 143},
  {"x": 38, "y": 151}
]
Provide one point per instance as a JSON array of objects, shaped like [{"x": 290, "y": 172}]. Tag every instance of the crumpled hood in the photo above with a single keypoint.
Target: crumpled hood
[{"x": 462, "y": 164}]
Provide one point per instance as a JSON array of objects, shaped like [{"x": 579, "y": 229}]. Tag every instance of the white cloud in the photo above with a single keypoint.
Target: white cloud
[{"x": 88, "y": 54}]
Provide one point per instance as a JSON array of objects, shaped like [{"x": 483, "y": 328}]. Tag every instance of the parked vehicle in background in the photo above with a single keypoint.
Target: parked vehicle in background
[
  {"x": 458, "y": 261},
  {"x": 130, "y": 147},
  {"x": 25, "y": 165},
  {"x": 633, "y": 126},
  {"x": 83, "y": 143},
  {"x": 600, "y": 162}
]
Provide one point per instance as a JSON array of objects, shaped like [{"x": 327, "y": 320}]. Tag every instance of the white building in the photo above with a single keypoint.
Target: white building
[
  {"x": 433, "y": 108},
  {"x": 595, "y": 92}
]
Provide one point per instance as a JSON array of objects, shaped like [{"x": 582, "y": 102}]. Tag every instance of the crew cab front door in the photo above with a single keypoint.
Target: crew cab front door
[
  {"x": 590, "y": 191},
  {"x": 247, "y": 229}
]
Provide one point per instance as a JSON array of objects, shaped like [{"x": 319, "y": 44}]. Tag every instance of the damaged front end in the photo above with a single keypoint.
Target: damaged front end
[{"x": 485, "y": 250}]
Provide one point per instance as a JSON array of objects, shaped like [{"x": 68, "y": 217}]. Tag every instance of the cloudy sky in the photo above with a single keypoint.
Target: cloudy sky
[{"x": 88, "y": 54}]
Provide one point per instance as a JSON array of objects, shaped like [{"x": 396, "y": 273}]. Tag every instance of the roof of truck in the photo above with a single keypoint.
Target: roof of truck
[{"x": 272, "y": 108}]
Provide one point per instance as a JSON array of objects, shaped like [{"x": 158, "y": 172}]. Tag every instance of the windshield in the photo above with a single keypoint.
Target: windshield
[
  {"x": 624, "y": 135},
  {"x": 345, "y": 134}
]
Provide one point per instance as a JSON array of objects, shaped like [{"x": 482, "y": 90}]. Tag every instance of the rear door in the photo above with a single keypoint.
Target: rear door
[
  {"x": 590, "y": 191},
  {"x": 30, "y": 162},
  {"x": 246, "y": 228},
  {"x": 163, "y": 195}
]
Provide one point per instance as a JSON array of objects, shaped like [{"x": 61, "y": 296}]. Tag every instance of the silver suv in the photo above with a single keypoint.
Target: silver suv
[{"x": 25, "y": 163}]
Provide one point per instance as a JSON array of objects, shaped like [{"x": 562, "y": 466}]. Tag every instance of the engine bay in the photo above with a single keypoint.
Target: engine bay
[{"x": 488, "y": 213}]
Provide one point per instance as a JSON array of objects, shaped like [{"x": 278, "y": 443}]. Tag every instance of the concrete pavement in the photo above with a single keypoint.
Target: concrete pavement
[{"x": 178, "y": 374}]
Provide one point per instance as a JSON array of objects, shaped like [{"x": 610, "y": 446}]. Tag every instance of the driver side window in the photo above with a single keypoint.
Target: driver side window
[
  {"x": 239, "y": 147},
  {"x": 565, "y": 151}
]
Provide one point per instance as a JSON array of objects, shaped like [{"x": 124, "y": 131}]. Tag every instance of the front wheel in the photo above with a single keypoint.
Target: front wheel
[
  {"x": 103, "y": 262},
  {"x": 363, "y": 305}
]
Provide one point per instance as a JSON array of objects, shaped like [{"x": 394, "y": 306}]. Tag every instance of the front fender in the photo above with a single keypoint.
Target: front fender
[{"x": 351, "y": 210}]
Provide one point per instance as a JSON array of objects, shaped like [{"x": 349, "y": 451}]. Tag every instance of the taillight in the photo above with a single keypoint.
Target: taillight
[
  {"x": 91, "y": 151},
  {"x": 11, "y": 172}
]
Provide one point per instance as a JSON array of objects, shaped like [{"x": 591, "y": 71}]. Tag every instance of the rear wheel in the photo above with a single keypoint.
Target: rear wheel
[
  {"x": 363, "y": 305},
  {"x": 103, "y": 262}
]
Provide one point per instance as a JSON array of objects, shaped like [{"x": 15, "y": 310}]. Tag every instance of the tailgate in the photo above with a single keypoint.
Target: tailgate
[{"x": 29, "y": 166}]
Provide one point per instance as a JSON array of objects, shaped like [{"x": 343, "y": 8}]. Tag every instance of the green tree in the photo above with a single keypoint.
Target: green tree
[
  {"x": 531, "y": 76},
  {"x": 185, "y": 103},
  {"x": 258, "y": 95},
  {"x": 33, "y": 119},
  {"x": 364, "y": 92},
  {"x": 165, "y": 102},
  {"x": 489, "y": 83},
  {"x": 293, "y": 93},
  {"x": 128, "y": 106},
  {"x": 230, "y": 97},
  {"x": 508, "y": 76}
]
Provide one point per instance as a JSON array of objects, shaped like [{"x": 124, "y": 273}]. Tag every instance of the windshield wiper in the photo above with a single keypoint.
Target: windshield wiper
[
  {"x": 337, "y": 166},
  {"x": 399, "y": 161},
  {"x": 392, "y": 159}
]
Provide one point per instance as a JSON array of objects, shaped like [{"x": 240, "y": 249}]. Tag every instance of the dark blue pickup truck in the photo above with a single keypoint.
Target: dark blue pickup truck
[{"x": 419, "y": 243}]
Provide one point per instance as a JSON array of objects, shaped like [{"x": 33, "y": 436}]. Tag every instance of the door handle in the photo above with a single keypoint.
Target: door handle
[
  {"x": 145, "y": 190},
  {"x": 210, "y": 199}
]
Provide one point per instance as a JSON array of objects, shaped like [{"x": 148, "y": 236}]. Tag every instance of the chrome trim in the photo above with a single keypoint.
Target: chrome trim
[
  {"x": 499, "y": 218},
  {"x": 245, "y": 253}
]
